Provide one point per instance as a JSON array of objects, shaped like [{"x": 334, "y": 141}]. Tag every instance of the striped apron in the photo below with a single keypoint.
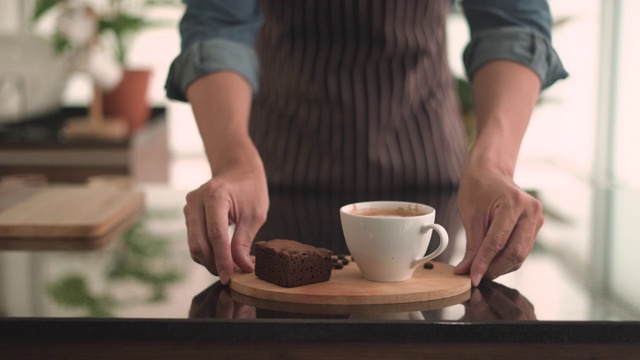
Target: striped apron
[
  {"x": 356, "y": 101},
  {"x": 357, "y": 96}
]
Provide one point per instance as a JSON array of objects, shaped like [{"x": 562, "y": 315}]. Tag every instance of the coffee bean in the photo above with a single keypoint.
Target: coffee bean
[
  {"x": 337, "y": 266},
  {"x": 428, "y": 265},
  {"x": 345, "y": 261}
]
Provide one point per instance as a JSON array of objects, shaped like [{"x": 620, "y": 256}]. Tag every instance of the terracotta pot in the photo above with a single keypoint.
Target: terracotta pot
[{"x": 129, "y": 99}]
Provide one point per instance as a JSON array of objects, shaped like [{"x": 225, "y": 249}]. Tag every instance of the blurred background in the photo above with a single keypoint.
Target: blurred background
[
  {"x": 583, "y": 135},
  {"x": 597, "y": 41}
]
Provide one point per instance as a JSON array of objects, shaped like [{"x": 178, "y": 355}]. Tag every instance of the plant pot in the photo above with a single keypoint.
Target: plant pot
[{"x": 128, "y": 100}]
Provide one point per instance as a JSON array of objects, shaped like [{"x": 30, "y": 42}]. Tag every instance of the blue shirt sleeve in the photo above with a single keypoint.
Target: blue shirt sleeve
[
  {"x": 515, "y": 30},
  {"x": 217, "y": 35}
]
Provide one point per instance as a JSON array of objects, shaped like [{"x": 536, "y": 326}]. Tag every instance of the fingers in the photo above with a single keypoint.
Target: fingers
[
  {"x": 217, "y": 225},
  {"x": 507, "y": 243},
  {"x": 514, "y": 254},
  {"x": 520, "y": 242},
  {"x": 208, "y": 213},
  {"x": 246, "y": 230},
  {"x": 249, "y": 221},
  {"x": 495, "y": 240},
  {"x": 474, "y": 239},
  {"x": 199, "y": 245}
]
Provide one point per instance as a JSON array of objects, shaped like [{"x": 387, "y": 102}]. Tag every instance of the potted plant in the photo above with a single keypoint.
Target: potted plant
[{"x": 118, "y": 21}]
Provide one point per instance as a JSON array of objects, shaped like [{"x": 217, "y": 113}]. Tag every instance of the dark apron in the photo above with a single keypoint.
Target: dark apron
[
  {"x": 357, "y": 95},
  {"x": 357, "y": 101}
]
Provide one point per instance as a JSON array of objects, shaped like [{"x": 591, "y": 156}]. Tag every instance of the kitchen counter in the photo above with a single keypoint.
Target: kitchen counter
[
  {"x": 38, "y": 145},
  {"x": 143, "y": 296}
]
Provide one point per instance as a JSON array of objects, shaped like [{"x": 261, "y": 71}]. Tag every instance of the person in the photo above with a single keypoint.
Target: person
[{"x": 357, "y": 96}]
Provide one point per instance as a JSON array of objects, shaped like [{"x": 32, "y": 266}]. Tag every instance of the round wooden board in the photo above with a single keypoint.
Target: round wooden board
[
  {"x": 368, "y": 311},
  {"x": 348, "y": 287}
]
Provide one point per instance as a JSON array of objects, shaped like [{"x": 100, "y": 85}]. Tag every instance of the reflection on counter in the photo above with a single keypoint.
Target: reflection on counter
[
  {"x": 490, "y": 301},
  {"x": 142, "y": 268},
  {"x": 141, "y": 260}
]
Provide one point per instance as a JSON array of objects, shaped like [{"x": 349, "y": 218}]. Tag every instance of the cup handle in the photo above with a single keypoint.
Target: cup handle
[{"x": 444, "y": 241}]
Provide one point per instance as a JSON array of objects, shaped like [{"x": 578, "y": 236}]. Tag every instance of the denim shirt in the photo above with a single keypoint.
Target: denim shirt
[{"x": 220, "y": 35}]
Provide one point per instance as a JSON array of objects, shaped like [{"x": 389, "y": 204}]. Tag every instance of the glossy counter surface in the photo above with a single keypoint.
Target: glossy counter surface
[{"x": 143, "y": 288}]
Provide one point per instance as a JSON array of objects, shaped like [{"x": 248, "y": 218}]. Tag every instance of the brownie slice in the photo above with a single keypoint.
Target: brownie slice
[{"x": 289, "y": 263}]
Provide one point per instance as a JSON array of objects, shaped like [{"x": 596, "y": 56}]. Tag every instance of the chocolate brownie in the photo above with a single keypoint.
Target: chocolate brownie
[{"x": 289, "y": 263}]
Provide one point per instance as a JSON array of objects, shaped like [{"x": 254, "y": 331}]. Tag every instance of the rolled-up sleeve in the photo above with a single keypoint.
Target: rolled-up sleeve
[
  {"x": 217, "y": 35},
  {"x": 515, "y": 30}
]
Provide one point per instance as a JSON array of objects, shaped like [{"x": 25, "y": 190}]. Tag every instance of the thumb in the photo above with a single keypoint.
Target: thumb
[
  {"x": 464, "y": 267},
  {"x": 241, "y": 247},
  {"x": 472, "y": 247}
]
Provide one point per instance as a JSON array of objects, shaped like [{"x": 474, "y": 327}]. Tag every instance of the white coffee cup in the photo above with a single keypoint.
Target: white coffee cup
[{"x": 388, "y": 239}]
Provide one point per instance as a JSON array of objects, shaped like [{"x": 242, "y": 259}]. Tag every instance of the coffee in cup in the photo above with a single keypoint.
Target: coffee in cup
[
  {"x": 400, "y": 211},
  {"x": 388, "y": 239}
]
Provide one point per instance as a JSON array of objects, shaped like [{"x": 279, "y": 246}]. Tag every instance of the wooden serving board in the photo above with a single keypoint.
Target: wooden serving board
[
  {"x": 65, "y": 213},
  {"x": 348, "y": 287}
]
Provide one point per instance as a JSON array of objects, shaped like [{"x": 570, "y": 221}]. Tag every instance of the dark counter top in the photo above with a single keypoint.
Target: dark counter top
[
  {"x": 143, "y": 291},
  {"x": 45, "y": 131},
  {"x": 39, "y": 146}
]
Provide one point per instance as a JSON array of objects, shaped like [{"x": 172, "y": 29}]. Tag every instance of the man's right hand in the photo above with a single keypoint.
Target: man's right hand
[
  {"x": 237, "y": 192},
  {"x": 237, "y": 195}
]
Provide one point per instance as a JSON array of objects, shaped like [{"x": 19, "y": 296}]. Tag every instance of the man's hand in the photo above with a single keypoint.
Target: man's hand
[
  {"x": 237, "y": 196},
  {"x": 501, "y": 221}
]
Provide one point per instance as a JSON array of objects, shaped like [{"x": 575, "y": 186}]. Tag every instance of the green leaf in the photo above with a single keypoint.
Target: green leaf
[
  {"x": 73, "y": 291},
  {"x": 465, "y": 94},
  {"x": 162, "y": 3},
  {"x": 122, "y": 23},
  {"x": 43, "y": 6},
  {"x": 60, "y": 43},
  {"x": 116, "y": 20}
]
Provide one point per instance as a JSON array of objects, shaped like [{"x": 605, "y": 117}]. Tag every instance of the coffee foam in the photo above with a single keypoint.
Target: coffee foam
[{"x": 398, "y": 211}]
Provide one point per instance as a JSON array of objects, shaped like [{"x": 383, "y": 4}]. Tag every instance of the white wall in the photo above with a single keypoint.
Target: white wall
[
  {"x": 626, "y": 204},
  {"x": 562, "y": 127},
  {"x": 11, "y": 16},
  {"x": 627, "y": 164}
]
